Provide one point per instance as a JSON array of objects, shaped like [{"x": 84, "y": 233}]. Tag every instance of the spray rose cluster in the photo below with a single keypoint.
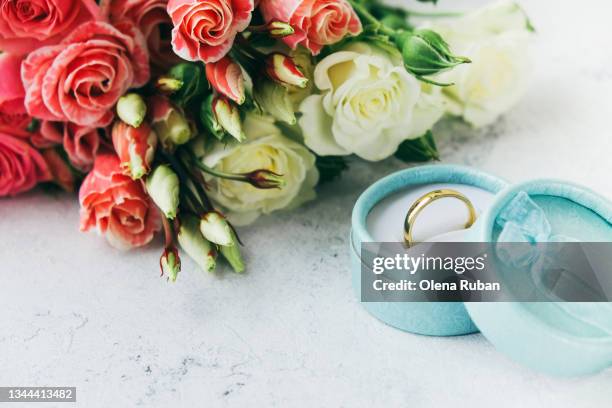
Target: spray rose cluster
[{"x": 190, "y": 118}]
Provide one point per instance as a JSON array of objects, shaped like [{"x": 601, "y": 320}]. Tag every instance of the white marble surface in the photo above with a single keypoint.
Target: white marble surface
[{"x": 290, "y": 333}]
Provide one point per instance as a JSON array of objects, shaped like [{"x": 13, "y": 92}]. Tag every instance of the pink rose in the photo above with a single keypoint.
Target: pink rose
[
  {"x": 205, "y": 29},
  {"x": 15, "y": 124},
  {"x": 26, "y": 25},
  {"x": 13, "y": 116},
  {"x": 154, "y": 22},
  {"x": 316, "y": 22},
  {"x": 117, "y": 205},
  {"x": 21, "y": 166},
  {"x": 81, "y": 79},
  {"x": 227, "y": 79},
  {"x": 80, "y": 143}
]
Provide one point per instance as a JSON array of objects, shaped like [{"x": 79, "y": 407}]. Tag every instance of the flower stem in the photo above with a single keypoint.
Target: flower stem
[
  {"x": 363, "y": 12},
  {"x": 245, "y": 47},
  {"x": 439, "y": 14},
  {"x": 168, "y": 233},
  {"x": 262, "y": 28},
  {"x": 220, "y": 174},
  {"x": 245, "y": 60},
  {"x": 199, "y": 201},
  {"x": 186, "y": 157}
]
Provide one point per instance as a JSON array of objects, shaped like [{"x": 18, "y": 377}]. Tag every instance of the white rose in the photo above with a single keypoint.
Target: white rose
[
  {"x": 265, "y": 148},
  {"x": 368, "y": 106},
  {"x": 496, "y": 39}
]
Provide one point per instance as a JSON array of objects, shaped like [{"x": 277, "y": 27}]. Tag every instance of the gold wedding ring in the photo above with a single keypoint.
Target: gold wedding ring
[{"x": 429, "y": 198}]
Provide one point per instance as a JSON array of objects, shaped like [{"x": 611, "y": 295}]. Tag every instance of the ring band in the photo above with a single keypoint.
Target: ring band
[{"x": 429, "y": 198}]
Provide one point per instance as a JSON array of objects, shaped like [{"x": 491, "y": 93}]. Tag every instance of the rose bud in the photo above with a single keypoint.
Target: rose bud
[
  {"x": 216, "y": 229},
  {"x": 193, "y": 243},
  {"x": 163, "y": 188},
  {"x": 169, "y": 122},
  {"x": 282, "y": 69},
  {"x": 226, "y": 77},
  {"x": 227, "y": 116},
  {"x": 276, "y": 100},
  {"x": 265, "y": 179},
  {"x": 279, "y": 29},
  {"x": 59, "y": 168},
  {"x": 232, "y": 255},
  {"x": 426, "y": 53},
  {"x": 135, "y": 148},
  {"x": 132, "y": 109},
  {"x": 209, "y": 119},
  {"x": 170, "y": 263},
  {"x": 168, "y": 85},
  {"x": 193, "y": 82}
]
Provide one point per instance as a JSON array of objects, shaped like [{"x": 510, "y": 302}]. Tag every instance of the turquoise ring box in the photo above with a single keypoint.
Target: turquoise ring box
[{"x": 558, "y": 338}]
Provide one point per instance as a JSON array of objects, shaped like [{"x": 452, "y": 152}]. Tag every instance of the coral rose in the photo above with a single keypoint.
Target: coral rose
[
  {"x": 81, "y": 79},
  {"x": 316, "y": 22},
  {"x": 21, "y": 166},
  {"x": 205, "y": 29},
  {"x": 117, "y": 205},
  {"x": 80, "y": 143},
  {"x": 60, "y": 170},
  {"x": 26, "y": 25},
  {"x": 154, "y": 22}
]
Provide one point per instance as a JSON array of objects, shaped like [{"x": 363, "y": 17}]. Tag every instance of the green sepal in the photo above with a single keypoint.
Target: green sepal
[
  {"x": 419, "y": 150},
  {"x": 426, "y": 53},
  {"x": 233, "y": 256},
  {"x": 194, "y": 82},
  {"x": 208, "y": 118},
  {"x": 330, "y": 168}
]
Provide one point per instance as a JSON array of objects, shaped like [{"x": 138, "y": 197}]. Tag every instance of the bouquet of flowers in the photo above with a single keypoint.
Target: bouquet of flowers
[{"x": 194, "y": 117}]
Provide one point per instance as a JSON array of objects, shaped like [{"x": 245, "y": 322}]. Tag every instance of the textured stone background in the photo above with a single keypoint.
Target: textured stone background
[{"x": 290, "y": 333}]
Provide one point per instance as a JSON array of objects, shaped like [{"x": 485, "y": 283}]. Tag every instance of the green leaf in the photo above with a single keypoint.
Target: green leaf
[
  {"x": 293, "y": 132},
  {"x": 194, "y": 82},
  {"x": 330, "y": 167},
  {"x": 33, "y": 126},
  {"x": 261, "y": 40},
  {"x": 419, "y": 150}
]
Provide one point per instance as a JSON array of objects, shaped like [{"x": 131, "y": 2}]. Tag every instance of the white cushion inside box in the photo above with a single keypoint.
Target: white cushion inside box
[{"x": 447, "y": 215}]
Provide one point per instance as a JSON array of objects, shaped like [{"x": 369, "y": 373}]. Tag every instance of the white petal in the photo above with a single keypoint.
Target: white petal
[
  {"x": 342, "y": 62},
  {"x": 317, "y": 128},
  {"x": 241, "y": 219}
]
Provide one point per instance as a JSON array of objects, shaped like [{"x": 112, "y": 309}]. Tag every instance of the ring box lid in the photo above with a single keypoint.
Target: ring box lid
[{"x": 550, "y": 337}]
